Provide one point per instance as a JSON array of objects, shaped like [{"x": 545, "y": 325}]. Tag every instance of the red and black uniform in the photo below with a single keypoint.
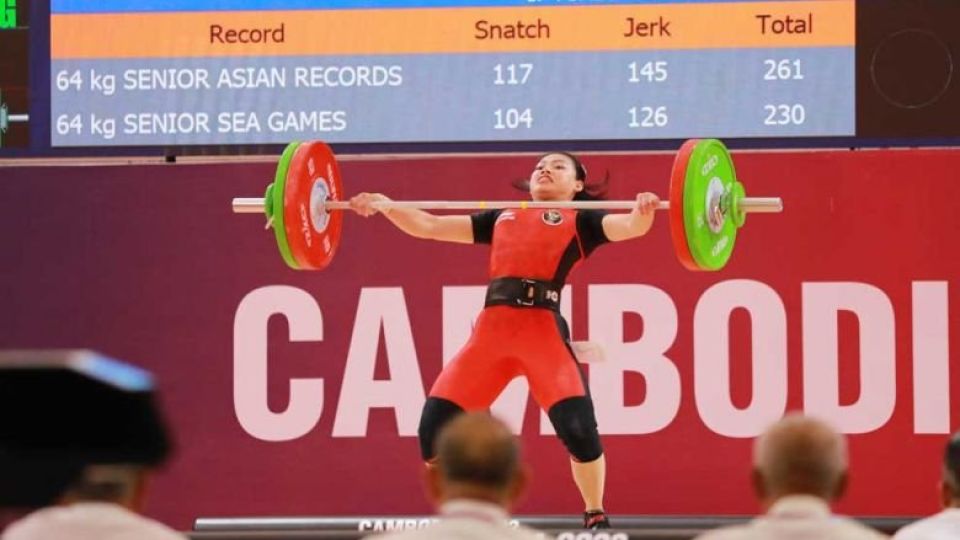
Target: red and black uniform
[{"x": 520, "y": 331}]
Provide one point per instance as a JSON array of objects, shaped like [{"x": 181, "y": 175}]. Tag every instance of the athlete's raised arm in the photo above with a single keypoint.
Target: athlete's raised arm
[{"x": 416, "y": 222}]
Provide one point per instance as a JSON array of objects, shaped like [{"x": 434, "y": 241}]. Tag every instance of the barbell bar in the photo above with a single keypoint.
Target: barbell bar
[{"x": 255, "y": 205}]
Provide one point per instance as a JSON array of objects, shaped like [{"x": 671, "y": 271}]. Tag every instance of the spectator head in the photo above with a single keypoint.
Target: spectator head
[
  {"x": 477, "y": 458},
  {"x": 799, "y": 455},
  {"x": 75, "y": 425},
  {"x": 950, "y": 483}
]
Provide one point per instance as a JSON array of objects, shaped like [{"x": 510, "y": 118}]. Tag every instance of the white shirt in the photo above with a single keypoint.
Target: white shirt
[
  {"x": 463, "y": 519},
  {"x": 945, "y": 525},
  {"x": 88, "y": 521},
  {"x": 796, "y": 517}
]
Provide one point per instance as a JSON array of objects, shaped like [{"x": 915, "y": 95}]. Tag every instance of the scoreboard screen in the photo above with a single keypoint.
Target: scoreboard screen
[{"x": 221, "y": 72}]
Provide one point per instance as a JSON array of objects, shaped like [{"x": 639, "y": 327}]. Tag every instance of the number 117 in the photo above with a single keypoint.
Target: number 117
[{"x": 512, "y": 74}]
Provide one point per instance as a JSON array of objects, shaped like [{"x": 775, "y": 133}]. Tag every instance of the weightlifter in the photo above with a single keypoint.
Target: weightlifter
[{"x": 520, "y": 331}]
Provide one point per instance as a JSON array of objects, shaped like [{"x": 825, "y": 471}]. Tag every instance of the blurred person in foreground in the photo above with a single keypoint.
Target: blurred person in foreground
[
  {"x": 944, "y": 525},
  {"x": 79, "y": 436},
  {"x": 799, "y": 471},
  {"x": 475, "y": 482}
]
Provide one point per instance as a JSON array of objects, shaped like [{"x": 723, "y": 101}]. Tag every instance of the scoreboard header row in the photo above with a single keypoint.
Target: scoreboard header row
[{"x": 818, "y": 23}]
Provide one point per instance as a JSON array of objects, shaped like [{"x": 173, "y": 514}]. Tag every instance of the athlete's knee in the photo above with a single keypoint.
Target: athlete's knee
[
  {"x": 436, "y": 413},
  {"x": 574, "y": 421}
]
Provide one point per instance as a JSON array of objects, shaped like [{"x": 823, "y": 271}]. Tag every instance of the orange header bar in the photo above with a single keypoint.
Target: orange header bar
[{"x": 812, "y": 23}]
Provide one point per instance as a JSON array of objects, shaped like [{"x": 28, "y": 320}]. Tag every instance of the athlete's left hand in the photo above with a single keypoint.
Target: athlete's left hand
[{"x": 646, "y": 203}]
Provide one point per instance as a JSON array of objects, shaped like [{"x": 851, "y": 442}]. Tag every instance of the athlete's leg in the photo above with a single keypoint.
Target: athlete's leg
[
  {"x": 574, "y": 421},
  {"x": 436, "y": 413},
  {"x": 557, "y": 384},
  {"x": 590, "y": 477},
  {"x": 471, "y": 381}
]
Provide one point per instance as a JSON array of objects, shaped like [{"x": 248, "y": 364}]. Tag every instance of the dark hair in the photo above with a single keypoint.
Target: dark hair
[
  {"x": 951, "y": 464},
  {"x": 577, "y": 164},
  {"x": 594, "y": 191}
]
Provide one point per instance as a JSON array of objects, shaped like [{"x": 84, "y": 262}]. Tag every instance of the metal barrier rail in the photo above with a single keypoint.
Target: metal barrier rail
[
  {"x": 562, "y": 527},
  {"x": 558, "y": 534}
]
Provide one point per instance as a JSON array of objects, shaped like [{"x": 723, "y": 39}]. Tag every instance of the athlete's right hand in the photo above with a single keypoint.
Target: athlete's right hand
[{"x": 363, "y": 203}]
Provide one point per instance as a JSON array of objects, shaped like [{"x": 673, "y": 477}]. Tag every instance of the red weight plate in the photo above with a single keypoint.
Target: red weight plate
[
  {"x": 312, "y": 233},
  {"x": 678, "y": 177}
]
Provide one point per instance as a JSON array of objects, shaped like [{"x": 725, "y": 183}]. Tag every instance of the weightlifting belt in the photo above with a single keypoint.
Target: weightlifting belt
[{"x": 522, "y": 292}]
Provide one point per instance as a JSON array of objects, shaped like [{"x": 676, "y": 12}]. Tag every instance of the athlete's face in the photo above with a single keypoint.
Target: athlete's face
[{"x": 554, "y": 179}]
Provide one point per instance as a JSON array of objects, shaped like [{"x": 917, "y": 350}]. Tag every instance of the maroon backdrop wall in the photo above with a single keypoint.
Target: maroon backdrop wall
[{"x": 844, "y": 306}]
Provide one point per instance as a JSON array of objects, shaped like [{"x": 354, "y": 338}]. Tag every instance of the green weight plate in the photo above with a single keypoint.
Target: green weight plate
[
  {"x": 710, "y": 233},
  {"x": 736, "y": 213},
  {"x": 268, "y": 201},
  {"x": 274, "y": 200}
]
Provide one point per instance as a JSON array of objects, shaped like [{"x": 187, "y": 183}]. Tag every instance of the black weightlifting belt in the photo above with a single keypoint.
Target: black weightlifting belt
[{"x": 522, "y": 292}]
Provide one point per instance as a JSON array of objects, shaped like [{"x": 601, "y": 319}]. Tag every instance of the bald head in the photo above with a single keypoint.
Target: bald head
[
  {"x": 478, "y": 450},
  {"x": 800, "y": 455}
]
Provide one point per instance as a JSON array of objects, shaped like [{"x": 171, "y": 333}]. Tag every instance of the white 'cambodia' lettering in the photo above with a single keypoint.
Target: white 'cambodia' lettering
[
  {"x": 646, "y": 356},
  {"x": 384, "y": 310},
  {"x": 380, "y": 308},
  {"x": 711, "y": 357},
  {"x": 822, "y": 303},
  {"x": 250, "y": 363},
  {"x": 931, "y": 358}
]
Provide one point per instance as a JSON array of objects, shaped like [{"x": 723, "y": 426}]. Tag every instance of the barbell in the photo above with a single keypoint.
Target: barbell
[
  {"x": 7, "y": 118},
  {"x": 707, "y": 205}
]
